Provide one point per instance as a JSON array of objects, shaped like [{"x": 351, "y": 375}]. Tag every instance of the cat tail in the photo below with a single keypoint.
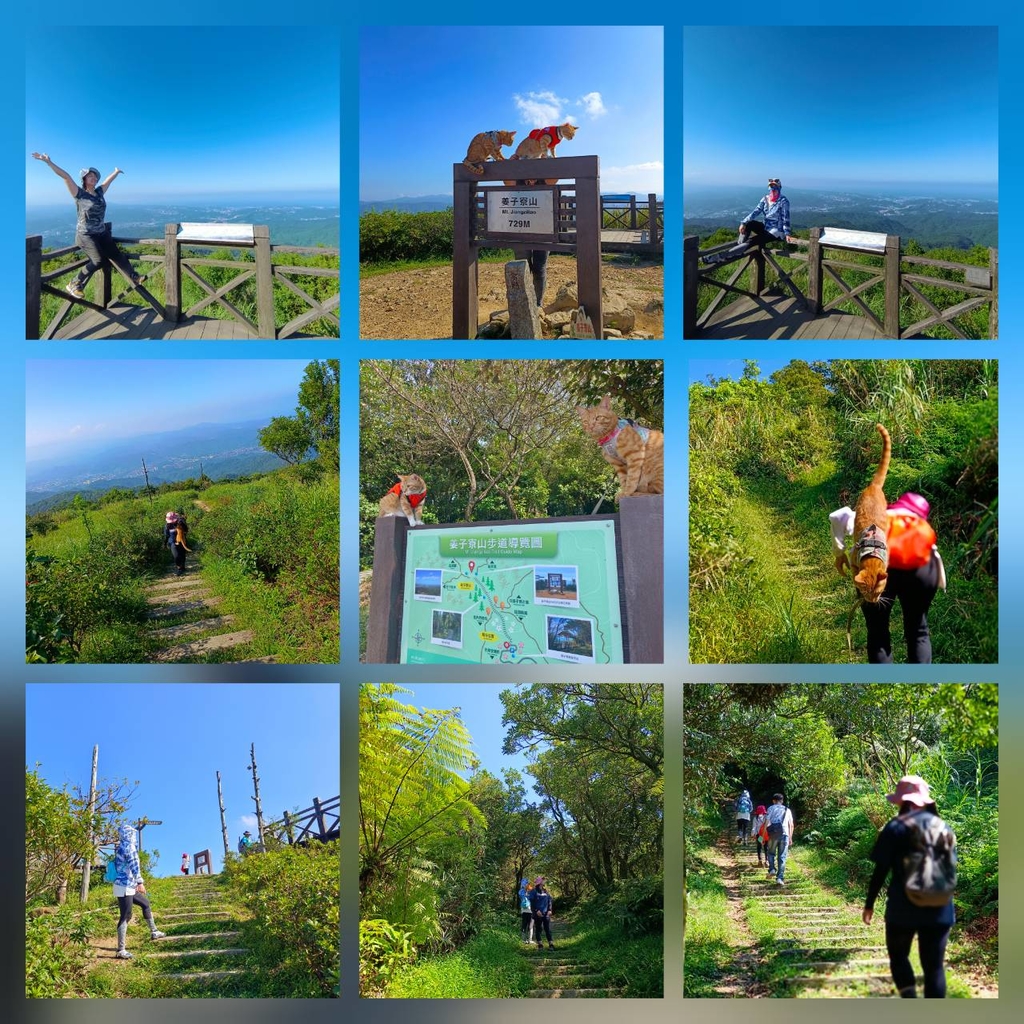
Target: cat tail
[{"x": 878, "y": 479}]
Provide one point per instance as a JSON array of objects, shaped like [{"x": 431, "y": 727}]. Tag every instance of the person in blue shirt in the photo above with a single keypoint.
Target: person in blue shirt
[
  {"x": 774, "y": 208},
  {"x": 540, "y": 903}
]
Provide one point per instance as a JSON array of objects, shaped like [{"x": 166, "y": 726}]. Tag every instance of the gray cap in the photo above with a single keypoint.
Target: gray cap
[{"x": 87, "y": 170}]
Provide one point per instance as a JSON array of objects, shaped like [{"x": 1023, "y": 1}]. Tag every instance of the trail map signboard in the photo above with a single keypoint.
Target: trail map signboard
[{"x": 534, "y": 593}]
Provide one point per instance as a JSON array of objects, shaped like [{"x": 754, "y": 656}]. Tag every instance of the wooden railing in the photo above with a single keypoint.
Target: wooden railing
[
  {"x": 624, "y": 213},
  {"x": 980, "y": 284},
  {"x": 321, "y": 821},
  {"x": 179, "y": 256}
]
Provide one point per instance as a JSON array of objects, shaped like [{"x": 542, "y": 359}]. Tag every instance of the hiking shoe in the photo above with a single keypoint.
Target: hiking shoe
[
  {"x": 73, "y": 289},
  {"x": 122, "y": 954},
  {"x": 551, "y": 945},
  {"x": 158, "y": 935},
  {"x": 779, "y": 881}
]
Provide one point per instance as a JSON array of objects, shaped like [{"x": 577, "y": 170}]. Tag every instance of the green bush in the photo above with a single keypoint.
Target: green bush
[
  {"x": 388, "y": 236},
  {"x": 57, "y": 953},
  {"x": 294, "y": 895},
  {"x": 383, "y": 951}
]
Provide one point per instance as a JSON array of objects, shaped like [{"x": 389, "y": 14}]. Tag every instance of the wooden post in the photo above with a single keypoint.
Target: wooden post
[
  {"x": 814, "y": 272},
  {"x": 691, "y": 272},
  {"x": 33, "y": 284},
  {"x": 264, "y": 283},
  {"x": 641, "y": 538},
  {"x": 993, "y": 309},
  {"x": 105, "y": 271},
  {"x": 319, "y": 811},
  {"x": 384, "y": 626},
  {"x": 172, "y": 274},
  {"x": 288, "y": 829},
  {"x": 652, "y": 218},
  {"x": 256, "y": 790},
  {"x": 892, "y": 286},
  {"x": 223, "y": 820},
  {"x": 632, "y": 212},
  {"x": 588, "y": 248},
  {"x": 758, "y": 254},
  {"x": 523, "y": 317},
  {"x": 87, "y": 866},
  {"x": 464, "y": 263}
]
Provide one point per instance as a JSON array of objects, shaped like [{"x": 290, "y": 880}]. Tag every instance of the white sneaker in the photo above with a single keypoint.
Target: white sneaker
[
  {"x": 779, "y": 881},
  {"x": 123, "y": 954},
  {"x": 158, "y": 935},
  {"x": 72, "y": 289}
]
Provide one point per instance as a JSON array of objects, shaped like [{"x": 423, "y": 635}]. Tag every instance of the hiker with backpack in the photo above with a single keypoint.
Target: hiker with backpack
[
  {"x": 919, "y": 849},
  {"x": 759, "y": 830},
  {"x": 175, "y": 532},
  {"x": 129, "y": 889},
  {"x": 914, "y": 575},
  {"x": 525, "y": 912},
  {"x": 779, "y": 820},
  {"x": 744, "y": 808}
]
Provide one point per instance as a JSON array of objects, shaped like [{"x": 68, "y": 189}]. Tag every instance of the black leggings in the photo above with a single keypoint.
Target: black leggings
[
  {"x": 101, "y": 249},
  {"x": 541, "y": 921},
  {"x": 914, "y": 588},
  {"x": 931, "y": 944},
  {"x": 125, "y": 903}
]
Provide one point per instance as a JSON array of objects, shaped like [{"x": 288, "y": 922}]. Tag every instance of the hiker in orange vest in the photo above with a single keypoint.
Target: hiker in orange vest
[{"x": 914, "y": 574}]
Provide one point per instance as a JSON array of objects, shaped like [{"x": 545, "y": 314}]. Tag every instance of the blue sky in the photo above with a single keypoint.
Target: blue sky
[
  {"x": 74, "y": 401},
  {"x": 426, "y": 91},
  {"x": 481, "y": 712},
  {"x": 183, "y": 111},
  {"x": 830, "y": 106},
  {"x": 733, "y": 368},
  {"x": 174, "y": 738}
]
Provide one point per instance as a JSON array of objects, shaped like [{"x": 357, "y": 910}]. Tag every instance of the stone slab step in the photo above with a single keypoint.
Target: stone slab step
[
  {"x": 171, "y": 583},
  {"x": 169, "y": 597},
  {"x": 202, "y": 916},
  {"x": 200, "y": 935},
  {"x": 833, "y": 979},
  {"x": 196, "y": 648},
  {"x": 818, "y": 965},
  {"x": 570, "y": 993},
  {"x": 166, "y": 611},
  {"x": 270, "y": 659},
  {"x": 203, "y": 975},
  {"x": 173, "y": 632},
  {"x": 824, "y": 928},
  {"x": 205, "y": 952}
]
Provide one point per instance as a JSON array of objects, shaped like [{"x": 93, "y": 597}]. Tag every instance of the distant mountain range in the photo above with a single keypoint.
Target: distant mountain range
[
  {"x": 958, "y": 219},
  {"x": 223, "y": 449},
  {"x": 429, "y": 204},
  {"x": 299, "y": 223}
]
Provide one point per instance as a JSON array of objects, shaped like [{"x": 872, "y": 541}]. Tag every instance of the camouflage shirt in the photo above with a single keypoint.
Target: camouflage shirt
[{"x": 92, "y": 211}]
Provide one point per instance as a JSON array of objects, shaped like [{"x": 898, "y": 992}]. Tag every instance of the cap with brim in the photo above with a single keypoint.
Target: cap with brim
[
  {"x": 761, "y": 809},
  {"x": 911, "y": 789},
  {"x": 87, "y": 170},
  {"x": 912, "y": 503}
]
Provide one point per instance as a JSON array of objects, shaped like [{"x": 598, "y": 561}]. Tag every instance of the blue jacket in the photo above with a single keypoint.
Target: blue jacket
[
  {"x": 776, "y": 215},
  {"x": 540, "y": 902},
  {"x": 126, "y": 859}
]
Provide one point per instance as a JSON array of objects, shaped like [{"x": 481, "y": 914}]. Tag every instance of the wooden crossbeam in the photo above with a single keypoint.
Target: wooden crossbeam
[
  {"x": 796, "y": 293},
  {"x": 944, "y": 317},
  {"x": 932, "y": 308},
  {"x": 219, "y": 295},
  {"x": 725, "y": 286},
  {"x": 854, "y": 295}
]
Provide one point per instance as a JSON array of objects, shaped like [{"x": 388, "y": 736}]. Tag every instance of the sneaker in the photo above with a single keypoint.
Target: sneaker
[
  {"x": 158, "y": 935},
  {"x": 123, "y": 954},
  {"x": 136, "y": 280},
  {"x": 771, "y": 874},
  {"x": 551, "y": 945},
  {"x": 73, "y": 289},
  {"x": 779, "y": 881}
]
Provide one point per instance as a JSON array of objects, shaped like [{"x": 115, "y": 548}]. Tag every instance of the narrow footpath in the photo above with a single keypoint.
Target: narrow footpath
[{"x": 560, "y": 974}]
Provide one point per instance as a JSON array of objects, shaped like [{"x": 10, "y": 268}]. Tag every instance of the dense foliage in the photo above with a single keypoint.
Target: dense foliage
[
  {"x": 769, "y": 459},
  {"x": 443, "y": 845}
]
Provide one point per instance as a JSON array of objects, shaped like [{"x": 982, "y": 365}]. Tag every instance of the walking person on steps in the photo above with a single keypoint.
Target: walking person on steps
[
  {"x": 91, "y": 232},
  {"x": 780, "y": 837},
  {"x": 919, "y": 849},
  {"x": 744, "y": 808},
  {"x": 130, "y": 889},
  {"x": 175, "y": 532},
  {"x": 759, "y": 830},
  {"x": 540, "y": 902}
]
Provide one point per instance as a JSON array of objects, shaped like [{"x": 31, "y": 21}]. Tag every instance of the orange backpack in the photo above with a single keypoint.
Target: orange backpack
[{"x": 910, "y": 540}]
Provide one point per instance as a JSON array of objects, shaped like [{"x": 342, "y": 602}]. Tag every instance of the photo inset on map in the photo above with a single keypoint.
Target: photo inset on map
[
  {"x": 511, "y": 511},
  {"x": 870, "y": 216},
  {"x": 512, "y": 838}
]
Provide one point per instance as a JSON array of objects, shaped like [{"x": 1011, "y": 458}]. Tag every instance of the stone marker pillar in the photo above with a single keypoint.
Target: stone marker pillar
[{"x": 523, "y": 315}]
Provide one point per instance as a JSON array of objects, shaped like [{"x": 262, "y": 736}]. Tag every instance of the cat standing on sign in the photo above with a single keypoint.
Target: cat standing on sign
[
  {"x": 405, "y": 499},
  {"x": 635, "y": 452}
]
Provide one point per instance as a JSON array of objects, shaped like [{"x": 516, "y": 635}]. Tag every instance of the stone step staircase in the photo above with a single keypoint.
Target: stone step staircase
[
  {"x": 205, "y": 633},
  {"x": 558, "y": 974}
]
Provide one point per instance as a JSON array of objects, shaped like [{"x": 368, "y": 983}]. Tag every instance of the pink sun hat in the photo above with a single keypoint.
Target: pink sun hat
[
  {"x": 913, "y": 503},
  {"x": 171, "y": 517},
  {"x": 911, "y": 789}
]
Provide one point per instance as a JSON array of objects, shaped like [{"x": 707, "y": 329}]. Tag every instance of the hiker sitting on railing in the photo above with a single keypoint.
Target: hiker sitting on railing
[
  {"x": 774, "y": 207},
  {"x": 91, "y": 233}
]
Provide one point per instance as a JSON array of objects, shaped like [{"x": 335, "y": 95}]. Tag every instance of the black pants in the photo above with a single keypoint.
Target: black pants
[
  {"x": 931, "y": 944},
  {"x": 538, "y": 261},
  {"x": 125, "y": 904},
  {"x": 178, "y": 554},
  {"x": 100, "y": 250},
  {"x": 541, "y": 921},
  {"x": 524, "y": 926},
  {"x": 743, "y": 828},
  {"x": 914, "y": 589}
]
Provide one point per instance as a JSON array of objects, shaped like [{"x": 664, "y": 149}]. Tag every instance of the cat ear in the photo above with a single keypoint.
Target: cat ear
[
  {"x": 860, "y": 577},
  {"x": 606, "y": 402}
]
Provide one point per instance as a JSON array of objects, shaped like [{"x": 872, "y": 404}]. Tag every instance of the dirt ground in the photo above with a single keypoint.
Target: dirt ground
[{"x": 417, "y": 304}]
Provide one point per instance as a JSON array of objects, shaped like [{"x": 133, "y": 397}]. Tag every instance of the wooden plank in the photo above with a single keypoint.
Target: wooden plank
[
  {"x": 562, "y": 167},
  {"x": 861, "y": 268},
  {"x": 265, "y": 315},
  {"x": 993, "y": 312},
  {"x": 465, "y": 304},
  {"x": 931, "y": 307},
  {"x": 892, "y": 286},
  {"x": 281, "y": 268},
  {"x": 926, "y": 261},
  {"x": 691, "y": 276},
  {"x": 962, "y": 307},
  {"x": 172, "y": 274},
  {"x": 311, "y": 250},
  {"x": 641, "y": 530},
  {"x": 53, "y": 254},
  {"x": 33, "y": 284},
  {"x": 384, "y": 625},
  {"x": 952, "y": 286}
]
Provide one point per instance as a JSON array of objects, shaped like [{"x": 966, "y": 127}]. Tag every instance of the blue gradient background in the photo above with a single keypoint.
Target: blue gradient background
[{"x": 122, "y": 85}]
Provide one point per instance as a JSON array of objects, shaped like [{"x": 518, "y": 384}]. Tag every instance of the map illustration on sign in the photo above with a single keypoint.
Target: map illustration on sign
[{"x": 533, "y": 593}]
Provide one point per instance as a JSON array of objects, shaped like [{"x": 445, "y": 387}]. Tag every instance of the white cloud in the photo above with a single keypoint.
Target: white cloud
[
  {"x": 539, "y": 109},
  {"x": 640, "y": 178},
  {"x": 76, "y": 429},
  {"x": 593, "y": 105},
  {"x": 249, "y": 820}
]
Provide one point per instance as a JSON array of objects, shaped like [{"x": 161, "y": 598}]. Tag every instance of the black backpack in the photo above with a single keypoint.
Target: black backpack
[{"x": 930, "y": 863}]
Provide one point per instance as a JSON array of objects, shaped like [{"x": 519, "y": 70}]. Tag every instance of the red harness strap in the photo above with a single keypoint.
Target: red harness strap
[
  {"x": 552, "y": 131},
  {"x": 414, "y": 499}
]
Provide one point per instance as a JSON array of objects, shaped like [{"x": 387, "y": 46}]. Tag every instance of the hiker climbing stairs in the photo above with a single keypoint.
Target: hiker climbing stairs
[
  {"x": 185, "y": 623},
  {"x": 201, "y": 943},
  {"x": 559, "y": 973}
]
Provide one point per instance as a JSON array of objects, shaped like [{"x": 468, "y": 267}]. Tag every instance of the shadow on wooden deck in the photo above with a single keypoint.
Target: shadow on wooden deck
[{"x": 771, "y": 317}]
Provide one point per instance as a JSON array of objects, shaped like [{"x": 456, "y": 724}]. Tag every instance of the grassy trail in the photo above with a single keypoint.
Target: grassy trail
[
  {"x": 798, "y": 940},
  {"x": 565, "y": 972},
  {"x": 788, "y": 604}
]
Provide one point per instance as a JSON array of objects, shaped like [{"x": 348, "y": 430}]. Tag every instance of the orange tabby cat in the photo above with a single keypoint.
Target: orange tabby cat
[
  {"x": 870, "y": 555},
  {"x": 405, "y": 498},
  {"x": 541, "y": 143},
  {"x": 487, "y": 146},
  {"x": 635, "y": 452}
]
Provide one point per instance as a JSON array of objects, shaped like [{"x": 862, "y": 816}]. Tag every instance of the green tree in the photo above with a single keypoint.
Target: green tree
[{"x": 315, "y": 425}]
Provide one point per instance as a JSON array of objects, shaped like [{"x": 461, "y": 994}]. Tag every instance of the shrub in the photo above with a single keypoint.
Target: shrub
[
  {"x": 383, "y": 951},
  {"x": 57, "y": 952}
]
